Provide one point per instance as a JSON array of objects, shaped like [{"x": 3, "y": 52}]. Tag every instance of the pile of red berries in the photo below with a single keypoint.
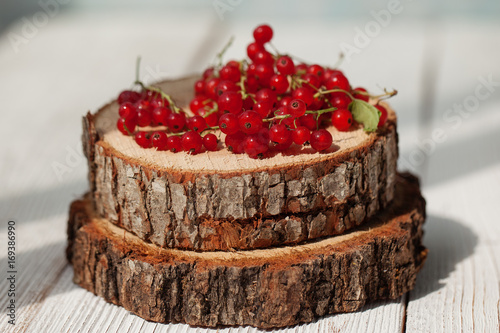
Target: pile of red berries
[{"x": 262, "y": 105}]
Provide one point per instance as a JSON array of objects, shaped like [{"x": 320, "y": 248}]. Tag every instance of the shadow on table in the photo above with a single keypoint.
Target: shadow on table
[
  {"x": 449, "y": 243},
  {"x": 46, "y": 203},
  {"x": 39, "y": 272}
]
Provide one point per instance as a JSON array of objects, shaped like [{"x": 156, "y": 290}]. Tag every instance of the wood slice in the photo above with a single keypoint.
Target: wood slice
[
  {"x": 263, "y": 288},
  {"x": 220, "y": 201}
]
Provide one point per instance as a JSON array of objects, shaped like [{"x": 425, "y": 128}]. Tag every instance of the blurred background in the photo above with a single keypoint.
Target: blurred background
[{"x": 62, "y": 58}]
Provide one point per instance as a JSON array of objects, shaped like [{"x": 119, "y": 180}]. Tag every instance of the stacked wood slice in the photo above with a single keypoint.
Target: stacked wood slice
[{"x": 224, "y": 239}]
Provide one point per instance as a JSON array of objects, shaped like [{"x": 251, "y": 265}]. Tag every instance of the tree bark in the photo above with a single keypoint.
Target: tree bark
[
  {"x": 206, "y": 210},
  {"x": 262, "y": 288}
]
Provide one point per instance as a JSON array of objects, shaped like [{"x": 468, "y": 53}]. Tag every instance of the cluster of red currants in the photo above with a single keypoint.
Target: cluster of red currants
[{"x": 265, "y": 104}]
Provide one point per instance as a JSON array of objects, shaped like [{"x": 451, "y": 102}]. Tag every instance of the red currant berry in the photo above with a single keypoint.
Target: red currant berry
[
  {"x": 192, "y": 142},
  {"x": 301, "y": 69},
  {"x": 312, "y": 81},
  {"x": 211, "y": 88},
  {"x": 128, "y": 96},
  {"x": 285, "y": 100},
  {"x": 383, "y": 115},
  {"x": 252, "y": 50},
  {"x": 230, "y": 73},
  {"x": 305, "y": 94},
  {"x": 251, "y": 84},
  {"x": 284, "y": 145},
  {"x": 250, "y": 122},
  {"x": 289, "y": 121},
  {"x": 248, "y": 103},
  {"x": 327, "y": 73},
  {"x": 234, "y": 63},
  {"x": 266, "y": 95},
  {"x": 143, "y": 139},
  {"x": 285, "y": 65},
  {"x": 143, "y": 105},
  {"x": 160, "y": 115},
  {"x": 208, "y": 73},
  {"x": 337, "y": 81},
  {"x": 301, "y": 135},
  {"x": 143, "y": 117},
  {"x": 199, "y": 87},
  {"x": 198, "y": 102},
  {"x": 159, "y": 140},
  {"x": 309, "y": 121},
  {"x": 176, "y": 122},
  {"x": 279, "y": 133},
  {"x": 360, "y": 93},
  {"x": 126, "y": 125},
  {"x": 174, "y": 143},
  {"x": 254, "y": 147},
  {"x": 263, "y": 73},
  {"x": 224, "y": 86},
  {"x": 212, "y": 119},
  {"x": 196, "y": 123},
  {"x": 340, "y": 100},
  {"x": 127, "y": 110},
  {"x": 228, "y": 123},
  {"x": 231, "y": 102},
  {"x": 263, "y": 108},
  {"x": 235, "y": 142},
  {"x": 321, "y": 140},
  {"x": 316, "y": 70},
  {"x": 149, "y": 95},
  {"x": 210, "y": 142},
  {"x": 263, "y": 57},
  {"x": 279, "y": 83},
  {"x": 157, "y": 102},
  {"x": 296, "y": 108},
  {"x": 263, "y": 34},
  {"x": 342, "y": 119}
]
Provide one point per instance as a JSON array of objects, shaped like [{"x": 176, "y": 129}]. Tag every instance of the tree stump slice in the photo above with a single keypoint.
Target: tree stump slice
[
  {"x": 222, "y": 201},
  {"x": 264, "y": 288}
]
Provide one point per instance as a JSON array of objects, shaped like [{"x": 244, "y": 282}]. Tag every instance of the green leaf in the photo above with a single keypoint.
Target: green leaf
[{"x": 365, "y": 113}]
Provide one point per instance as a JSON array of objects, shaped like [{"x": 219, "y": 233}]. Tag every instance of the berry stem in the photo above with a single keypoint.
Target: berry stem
[{"x": 220, "y": 55}]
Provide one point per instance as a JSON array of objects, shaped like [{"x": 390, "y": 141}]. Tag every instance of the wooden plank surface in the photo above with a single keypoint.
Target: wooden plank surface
[{"x": 458, "y": 289}]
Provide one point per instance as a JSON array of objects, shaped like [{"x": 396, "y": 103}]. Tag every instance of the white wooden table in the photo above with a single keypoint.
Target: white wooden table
[{"x": 77, "y": 62}]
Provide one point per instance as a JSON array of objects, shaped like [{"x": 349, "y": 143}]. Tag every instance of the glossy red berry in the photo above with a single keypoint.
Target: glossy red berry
[
  {"x": 198, "y": 102},
  {"x": 212, "y": 119},
  {"x": 285, "y": 100},
  {"x": 127, "y": 110},
  {"x": 128, "y": 96},
  {"x": 285, "y": 65},
  {"x": 228, "y": 123},
  {"x": 253, "y": 48},
  {"x": 296, "y": 108},
  {"x": 230, "y": 73},
  {"x": 231, "y": 102},
  {"x": 383, "y": 115},
  {"x": 263, "y": 74},
  {"x": 309, "y": 121},
  {"x": 176, "y": 122},
  {"x": 316, "y": 70},
  {"x": 208, "y": 73},
  {"x": 210, "y": 142},
  {"x": 263, "y": 34},
  {"x": 263, "y": 108},
  {"x": 157, "y": 102},
  {"x": 337, "y": 81},
  {"x": 159, "y": 140},
  {"x": 192, "y": 142},
  {"x": 174, "y": 143},
  {"x": 321, "y": 140},
  {"x": 254, "y": 146},
  {"x": 235, "y": 142},
  {"x": 360, "y": 93},
  {"x": 342, "y": 119},
  {"x": 279, "y": 133},
  {"x": 312, "y": 81},
  {"x": 250, "y": 122},
  {"x": 263, "y": 57},
  {"x": 340, "y": 100},
  {"x": 143, "y": 139},
  {"x": 211, "y": 88},
  {"x": 126, "y": 125},
  {"x": 196, "y": 123},
  {"x": 305, "y": 94},
  {"x": 144, "y": 117},
  {"x": 224, "y": 86},
  {"x": 199, "y": 87},
  {"x": 283, "y": 145},
  {"x": 289, "y": 121},
  {"x": 266, "y": 95},
  {"x": 279, "y": 83},
  {"x": 301, "y": 135}
]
